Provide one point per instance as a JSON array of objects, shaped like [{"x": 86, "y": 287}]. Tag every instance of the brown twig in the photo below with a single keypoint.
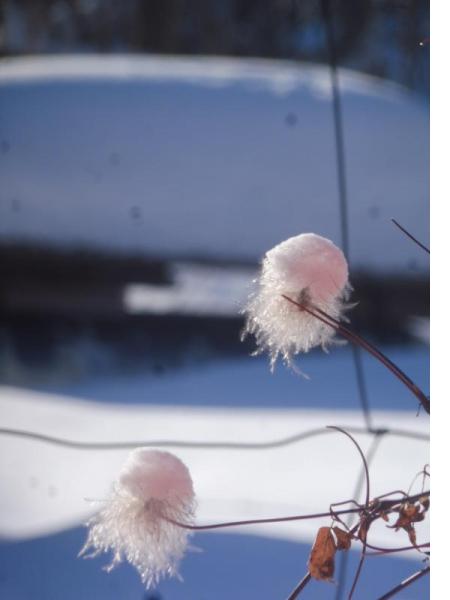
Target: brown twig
[
  {"x": 379, "y": 507},
  {"x": 387, "y": 362},
  {"x": 363, "y": 458},
  {"x": 299, "y": 587},
  {"x": 405, "y": 583},
  {"x": 356, "y": 339},
  {"x": 366, "y": 471},
  {"x": 344, "y": 558},
  {"x": 381, "y": 551}
]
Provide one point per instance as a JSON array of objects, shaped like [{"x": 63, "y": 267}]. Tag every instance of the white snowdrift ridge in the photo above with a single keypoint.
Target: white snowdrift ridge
[
  {"x": 46, "y": 488},
  {"x": 205, "y": 156}
]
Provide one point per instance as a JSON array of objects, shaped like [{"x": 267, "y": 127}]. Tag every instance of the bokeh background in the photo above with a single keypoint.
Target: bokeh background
[{"x": 151, "y": 152}]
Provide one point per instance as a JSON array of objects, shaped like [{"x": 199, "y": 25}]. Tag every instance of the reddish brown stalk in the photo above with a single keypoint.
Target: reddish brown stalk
[
  {"x": 356, "y": 339},
  {"x": 260, "y": 521},
  {"x": 299, "y": 587},
  {"x": 382, "y": 551},
  {"x": 405, "y": 583},
  {"x": 366, "y": 471},
  {"x": 363, "y": 458},
  {"x": 386, "y": 505}
]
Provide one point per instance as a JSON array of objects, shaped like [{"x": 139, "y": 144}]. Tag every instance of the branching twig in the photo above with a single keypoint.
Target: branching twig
[
  {"x": 366, "y": 471},
  {"x": 382, "y": 506},
  {"x": 405, "y": 583},
  {"x": 344, "y": 558}
]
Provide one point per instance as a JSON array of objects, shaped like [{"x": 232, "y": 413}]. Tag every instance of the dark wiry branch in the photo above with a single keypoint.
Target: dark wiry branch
[
  {"x": 344, "y": 558},
  {"x": 381, "y": 551},
  {"x": 405, "y": 583},
  {"x": 218, "y": 445},
  {"x": 379, "y": 506},
  {"x": 363, "y": 458},
  {"x": 406, "y": 232},
  {"x": 356, "y": 339},
  {"x": 299, "y": 587},
  {"x": 366, "y": 471}
]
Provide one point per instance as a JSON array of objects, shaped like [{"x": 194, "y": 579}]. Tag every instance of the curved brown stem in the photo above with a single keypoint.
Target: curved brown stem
[
  {"x": 387, "y": 504},
  {"x": 344, "y": 558},
  {"x": 382, "y": 551},
  {"x": 356, "y": 339},
  {"x": 363, "y": 458},
  {"x": 366, "y": 471}
]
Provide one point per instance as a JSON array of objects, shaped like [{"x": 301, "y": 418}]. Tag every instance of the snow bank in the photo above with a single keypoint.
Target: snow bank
[
  {"x": 221, "y": 158},
  {"x": 47, "y": 488}
]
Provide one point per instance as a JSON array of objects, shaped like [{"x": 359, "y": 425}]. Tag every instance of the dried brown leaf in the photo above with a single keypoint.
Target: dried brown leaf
[
  {"x": 343, "y": 538},
  {"x": 408, "y": 514},
  {"x": 321, "y": 559}
]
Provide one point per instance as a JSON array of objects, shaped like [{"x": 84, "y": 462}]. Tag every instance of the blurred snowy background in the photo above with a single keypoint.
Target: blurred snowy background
[{"x": 150, "y": 153}]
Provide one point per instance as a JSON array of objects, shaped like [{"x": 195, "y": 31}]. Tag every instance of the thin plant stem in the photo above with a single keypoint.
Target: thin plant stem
[
  {"x": 406, "y": 232},
  {"x": 341, "y": 169},
  {"x": 356, "y": 339},
  {"x": 363, "y": 458},
  {"x": 387, "y": 504},
  {"x": 381, "y": 551},
  {"x": 344, "y": 557},
  {"x": 299, "y": 587},
  {"x": 405, "y": 583},
  {"x": 367, "y": 477},
  {"x": 218, "y": 445},
  {"x": 352, "y": 336}
]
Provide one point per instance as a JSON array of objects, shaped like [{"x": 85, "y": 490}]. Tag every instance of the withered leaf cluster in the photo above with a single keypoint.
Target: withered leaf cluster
[
  {"x": 408, "y": 514},
  {"x": 328, "y": 541}
]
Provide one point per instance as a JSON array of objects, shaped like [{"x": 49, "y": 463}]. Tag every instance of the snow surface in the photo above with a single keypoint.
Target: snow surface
[
  {"x": 212, "y": 157},
  {"x": 247, "y": 382},
  {"x": 196, "y": 289},
  {"x": 46, "y": 488}
]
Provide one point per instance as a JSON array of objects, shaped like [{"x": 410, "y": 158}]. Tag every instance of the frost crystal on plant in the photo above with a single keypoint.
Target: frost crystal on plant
[
  {"x": 153, "y": 489},
  {"x": 310, "y": 270}
]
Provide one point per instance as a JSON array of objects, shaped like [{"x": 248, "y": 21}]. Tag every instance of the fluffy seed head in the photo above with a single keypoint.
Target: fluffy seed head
[
  {"x": 153, "y": 489},
  {"x": 310, "y": 270}
]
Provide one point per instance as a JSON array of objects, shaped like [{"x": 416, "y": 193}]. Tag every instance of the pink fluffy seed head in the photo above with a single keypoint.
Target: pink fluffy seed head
[
  {"x": 138, "y": 522},
  {"x": 308, "y": 261},
  {"x": 308, "y": 269},
  {"x": 154, "y": 474}
]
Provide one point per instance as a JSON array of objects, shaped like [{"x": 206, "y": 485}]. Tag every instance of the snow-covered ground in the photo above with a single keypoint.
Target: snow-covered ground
[
  {"x": 207, "y": 157},
  {"x": 47, "y": 488},
  {"x": 196, "y": 289}
]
